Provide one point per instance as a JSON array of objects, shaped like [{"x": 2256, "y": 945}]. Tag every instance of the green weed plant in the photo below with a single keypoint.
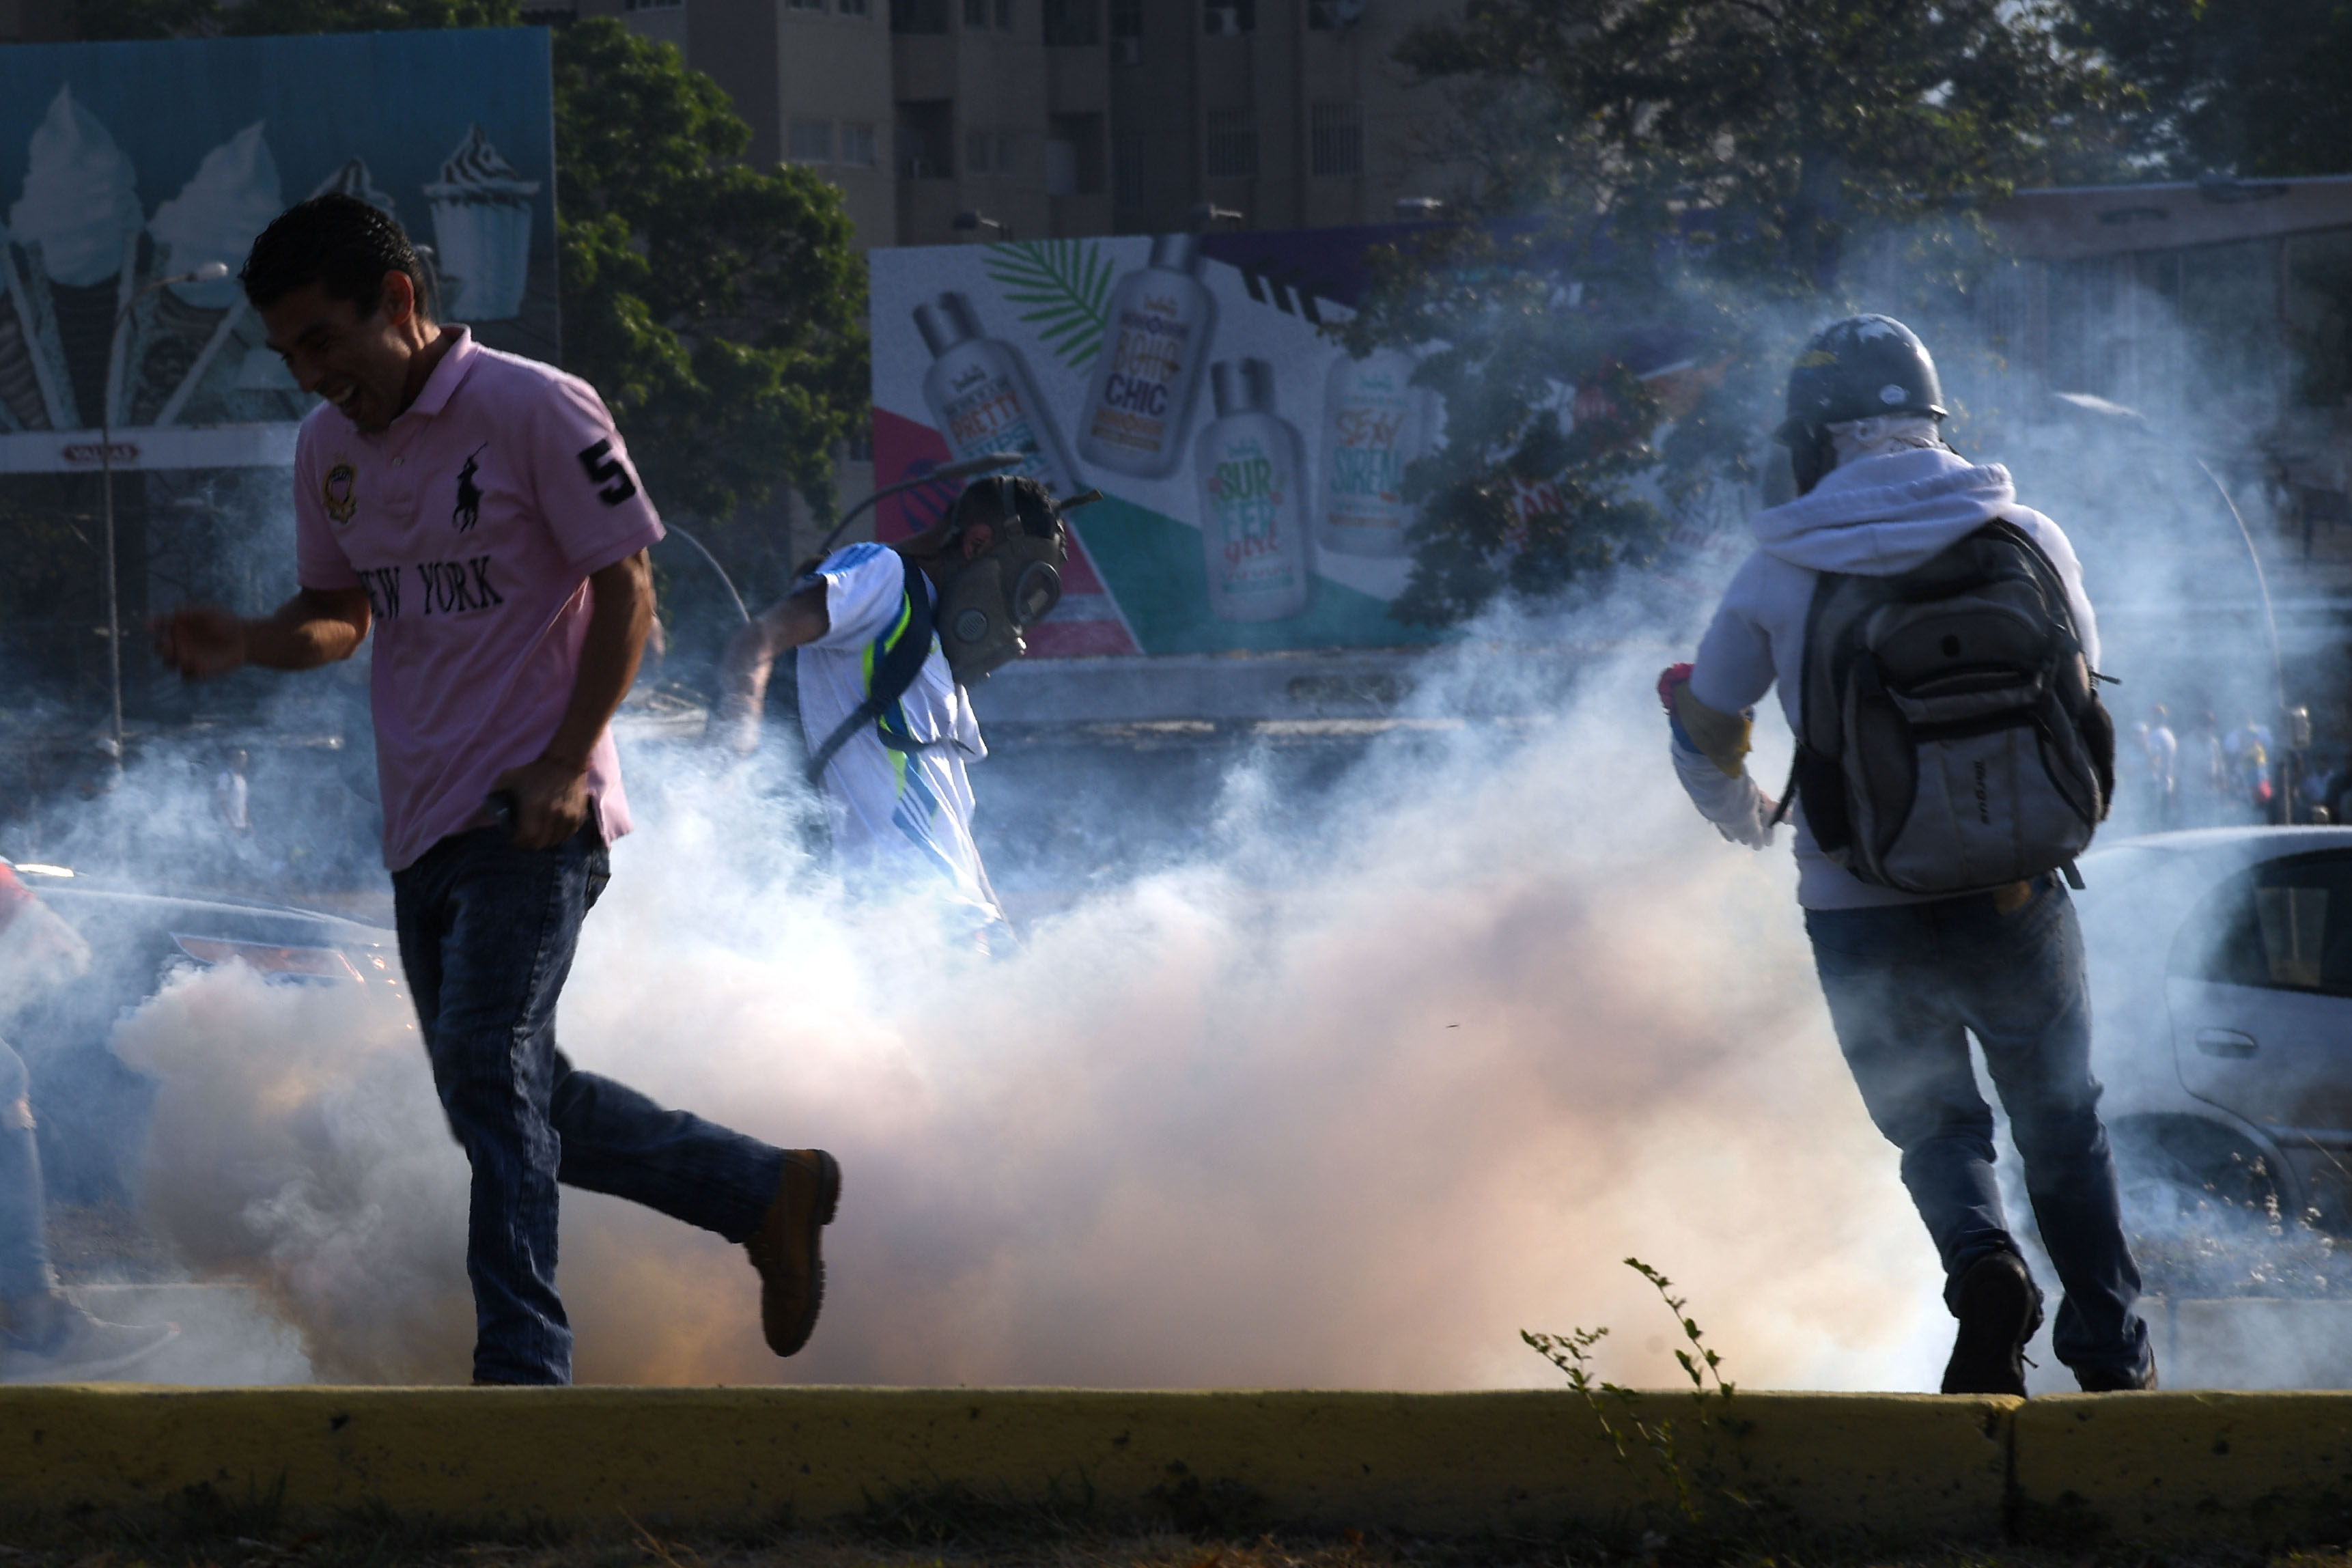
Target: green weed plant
[{"x": 1685, "y": 1452}]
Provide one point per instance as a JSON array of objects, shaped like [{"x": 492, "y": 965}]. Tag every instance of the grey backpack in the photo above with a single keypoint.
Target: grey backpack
[{"x": 1951, "y": 737}]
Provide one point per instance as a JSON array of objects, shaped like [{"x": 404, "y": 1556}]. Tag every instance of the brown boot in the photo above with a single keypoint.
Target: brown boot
[{"x": 785, "y": 1248}]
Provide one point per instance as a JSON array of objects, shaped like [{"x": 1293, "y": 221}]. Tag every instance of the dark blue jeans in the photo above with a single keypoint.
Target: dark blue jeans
[
  {"x": 24, "y": 1248},
  {"x": 1907, "y": 986},
  {"x": 487, "y": 935}
]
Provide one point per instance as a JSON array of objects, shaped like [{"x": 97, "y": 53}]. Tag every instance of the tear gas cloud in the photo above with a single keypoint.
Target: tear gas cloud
[
  {"x": 1344, "y": 1092},
  {"x": 1346, "y": 1107}
]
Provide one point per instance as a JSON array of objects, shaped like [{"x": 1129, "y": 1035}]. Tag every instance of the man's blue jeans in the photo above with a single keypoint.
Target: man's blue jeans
[
  {"x": 487, "y": 935},
  {"x": 1907, "y": 986}
]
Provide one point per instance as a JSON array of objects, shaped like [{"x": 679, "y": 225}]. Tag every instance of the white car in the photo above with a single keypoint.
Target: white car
[{"x": 2221, "y": 967}]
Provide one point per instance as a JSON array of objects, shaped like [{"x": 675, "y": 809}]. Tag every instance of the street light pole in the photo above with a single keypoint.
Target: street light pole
[{"x": 210, "y": 272}]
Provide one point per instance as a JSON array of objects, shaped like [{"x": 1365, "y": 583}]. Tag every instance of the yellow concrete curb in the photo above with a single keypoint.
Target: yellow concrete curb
[
  {"x": 1886, "y": 1467},
  {"x": 2252, "y": 1467}
]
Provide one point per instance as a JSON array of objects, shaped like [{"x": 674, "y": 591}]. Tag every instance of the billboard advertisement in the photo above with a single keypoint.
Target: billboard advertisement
[
  {"x": 1252, "y": 470},
  {"x": 125, "y": 164}
]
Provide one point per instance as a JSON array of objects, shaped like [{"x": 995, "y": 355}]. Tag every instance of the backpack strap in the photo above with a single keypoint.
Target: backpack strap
[
  {"x": 1824, "y": 584},
  {"x": 905, "y": 647}
]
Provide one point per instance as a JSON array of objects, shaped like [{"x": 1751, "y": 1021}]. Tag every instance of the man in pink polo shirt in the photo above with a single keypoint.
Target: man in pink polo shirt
[{"x": 478, "y": 511}]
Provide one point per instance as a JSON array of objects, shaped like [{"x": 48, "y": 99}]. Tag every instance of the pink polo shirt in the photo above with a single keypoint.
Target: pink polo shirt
[{"x": 473, "y": 524}]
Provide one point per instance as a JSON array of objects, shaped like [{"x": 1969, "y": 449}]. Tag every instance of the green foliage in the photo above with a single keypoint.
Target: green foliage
[
  {"x": 717, "y": 307},
  {"x": 2253, "y": 88},
  {"x": 1065, "y": 288},
  {"x": 1686, "y": 1458},
  {"x": 1711, "y": 173}
]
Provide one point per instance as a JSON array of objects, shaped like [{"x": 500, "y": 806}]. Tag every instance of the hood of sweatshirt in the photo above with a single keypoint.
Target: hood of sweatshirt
[{"x": 1883, "y": 515}]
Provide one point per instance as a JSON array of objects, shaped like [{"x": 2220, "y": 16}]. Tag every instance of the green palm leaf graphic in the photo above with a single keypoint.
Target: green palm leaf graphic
[{"x": 1063, "y": 288}]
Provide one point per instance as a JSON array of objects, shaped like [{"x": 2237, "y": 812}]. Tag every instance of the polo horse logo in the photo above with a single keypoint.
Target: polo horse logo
[{"x": 468, "y": 510}]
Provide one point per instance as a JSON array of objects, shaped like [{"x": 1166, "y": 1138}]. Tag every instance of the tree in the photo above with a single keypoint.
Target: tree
[
  {"x": 2251, "y": 88},
  {"x": 717, "y": 307},
  {"x": 1687, "y": 180}
]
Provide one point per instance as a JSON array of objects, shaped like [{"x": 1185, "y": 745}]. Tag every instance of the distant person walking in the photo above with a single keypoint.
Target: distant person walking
[
  {"x": 881, "y": 693},
  {"x": 2162, "y": 748},
  {"x": 478, "y": 511},
  {"x": 44, "y": 1336},
  {"x": 1934, "y": 652},
  {"x": 232, "y": 796}
]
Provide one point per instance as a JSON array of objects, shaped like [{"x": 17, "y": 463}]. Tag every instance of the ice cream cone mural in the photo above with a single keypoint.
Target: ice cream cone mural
[
  {"x": 80, "y": 217},
  {"x": 22, "y": 407},
  {"x": 125, "y": 168},
  {"x": 354, "y": 180},
  {"x": 481, "y": 229},
  {"x": 78, "y": 225},
  {"x": 231, "y": 198}
]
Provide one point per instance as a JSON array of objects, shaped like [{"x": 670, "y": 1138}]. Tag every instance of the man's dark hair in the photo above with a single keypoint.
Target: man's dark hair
[{"x": 336, "y": 240}]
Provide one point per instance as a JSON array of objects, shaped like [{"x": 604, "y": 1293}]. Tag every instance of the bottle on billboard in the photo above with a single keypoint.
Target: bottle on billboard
[
  {"x": 1375, "y": 422},
  {"x": 1148, "y": 376},
  {"x": 982, "y": 398},
  {"x": 1252, "y": 477}
]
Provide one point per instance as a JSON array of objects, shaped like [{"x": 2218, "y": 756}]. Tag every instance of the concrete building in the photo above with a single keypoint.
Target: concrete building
[{"x": 1053, "y": 118}]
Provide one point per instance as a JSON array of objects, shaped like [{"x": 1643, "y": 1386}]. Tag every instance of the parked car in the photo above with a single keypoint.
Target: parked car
[
  {"x": 2220, "y": 966},
  {"x": 91, "y": 1108}
]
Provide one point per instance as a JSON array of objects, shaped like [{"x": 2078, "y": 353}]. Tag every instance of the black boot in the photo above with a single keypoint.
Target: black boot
[
  {"x": 2097, "y": 1380},
  {"x": 1999, "y": 1309}
]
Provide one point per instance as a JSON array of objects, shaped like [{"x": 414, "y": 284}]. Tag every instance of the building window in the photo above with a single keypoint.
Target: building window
[
  {"x": 1072, "y": 24},
  {"x": 651, "y": 4},
  {"x": 857, "y": 145},
  {"x": 1126, "y": 171},
  {"x": 810, "y": 141},
  {"x": 1073, "y": 155},
  {"x": 855, "y": 7},
  {"x": 1229, "y": 19},
  {"x": 1336, "y": 138},
  {"x": 1232, "y": 144},
  {"x": 805, "y": 4},
  {"x": 918, "y": 16},
  {"x": 1004, "y": 15},
  {"x": 975, "y": 13},
  {"x": 1127, "y": 31},
  {"x": 925, "y": 149},
  {"x": 1333, "y": 16}
]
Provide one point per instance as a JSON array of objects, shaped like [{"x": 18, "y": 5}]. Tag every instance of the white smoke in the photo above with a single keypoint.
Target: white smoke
[
  {"x": 1342, "y": 1104},
  {"x": 1347, "y": 1108}
]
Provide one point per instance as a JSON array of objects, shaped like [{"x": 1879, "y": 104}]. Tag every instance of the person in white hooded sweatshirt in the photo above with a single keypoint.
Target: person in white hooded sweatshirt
[{"x": 1909, "y": 977}]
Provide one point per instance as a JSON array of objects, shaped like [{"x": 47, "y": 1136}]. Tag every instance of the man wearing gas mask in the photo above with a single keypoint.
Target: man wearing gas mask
[{"x": 890, "y": 639}]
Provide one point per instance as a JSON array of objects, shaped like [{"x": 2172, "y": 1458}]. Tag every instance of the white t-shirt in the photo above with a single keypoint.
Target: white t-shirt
[{"x": 901, "y": 820}]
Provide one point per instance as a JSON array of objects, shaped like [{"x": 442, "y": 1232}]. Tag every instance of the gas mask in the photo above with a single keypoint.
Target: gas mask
[{"x": 985, "y": 608}]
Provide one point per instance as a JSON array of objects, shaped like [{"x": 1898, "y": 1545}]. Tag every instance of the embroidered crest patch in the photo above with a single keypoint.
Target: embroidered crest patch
[{"x": 340, "y": 493}]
